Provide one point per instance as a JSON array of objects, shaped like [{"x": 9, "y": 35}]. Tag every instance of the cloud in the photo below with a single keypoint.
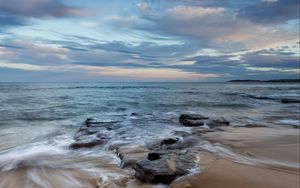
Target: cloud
[
  {"x": 271, "y": 11},
  {"x": 10, "y": 21},
  {"x": 149, "y": 73},
  {"x": 38, "y": 8},
  {"x": 187, "y": 39},
  {"x": 191, "y": 12},
  {"x": 21, "y": 51},
  {"x": 272, "y": 59}
]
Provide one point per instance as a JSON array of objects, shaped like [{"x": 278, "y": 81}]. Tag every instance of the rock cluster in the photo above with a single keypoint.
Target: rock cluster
[
  {"x": 92, "y": 133},
  {"x": 159, "y": 162},
  {"x": 192, "y": 120}
]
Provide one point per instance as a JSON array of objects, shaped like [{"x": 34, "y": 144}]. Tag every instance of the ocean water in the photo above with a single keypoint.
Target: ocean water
[{"x": 38, "y": 121}]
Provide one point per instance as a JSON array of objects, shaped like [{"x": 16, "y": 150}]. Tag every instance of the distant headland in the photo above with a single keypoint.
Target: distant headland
[{"x": 272, "y": 81}]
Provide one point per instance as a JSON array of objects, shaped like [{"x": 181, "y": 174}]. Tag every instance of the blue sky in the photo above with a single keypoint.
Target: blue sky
[{"x": 148, "y": 40}]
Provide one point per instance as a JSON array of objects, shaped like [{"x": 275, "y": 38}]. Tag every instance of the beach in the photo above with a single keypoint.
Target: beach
[
  {"x": 149, "y": 135},
  {"x": 276, "y": 152}
]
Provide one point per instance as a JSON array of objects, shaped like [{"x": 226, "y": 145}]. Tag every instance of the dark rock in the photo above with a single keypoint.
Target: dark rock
[
  {"x": 152, "y": 156},
  {"x": 254, "y": 125},
  {"x": 129, "y": 156},
  {"x": 92, "y": 133},
  {"x": 165, "y": 167},
  {"x": 217, "y": 123},
  {"x": 173, "y": 143},
  {"x": 192, "y": 119},
  {"x": 168, "y": 141},
  {"x": 88, "y": 143},
  {"x": 296, "y": 126},
  {"x": 287, "y": 100},
  {"x": 192, "y": 123}
]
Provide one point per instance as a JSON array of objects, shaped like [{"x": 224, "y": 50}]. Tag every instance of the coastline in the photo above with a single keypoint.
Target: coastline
[
  {"x": 273, "y": 145},
  {"x": 251, "y": 157}
]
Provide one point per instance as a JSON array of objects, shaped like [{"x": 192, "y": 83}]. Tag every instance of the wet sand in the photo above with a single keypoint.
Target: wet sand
[
  {"x": 278, "y": 148},
  {"x": 275, "y": 152}
]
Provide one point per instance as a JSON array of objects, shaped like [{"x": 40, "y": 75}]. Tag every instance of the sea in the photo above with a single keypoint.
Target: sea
[{"x": 38, "y": 122}]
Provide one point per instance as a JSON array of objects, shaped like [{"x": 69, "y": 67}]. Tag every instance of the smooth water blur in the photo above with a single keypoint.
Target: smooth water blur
[{"x": 38, "y": 120}]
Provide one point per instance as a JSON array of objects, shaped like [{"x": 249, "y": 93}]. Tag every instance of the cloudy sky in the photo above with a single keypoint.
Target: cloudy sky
[{"x": 148, "y": 40}]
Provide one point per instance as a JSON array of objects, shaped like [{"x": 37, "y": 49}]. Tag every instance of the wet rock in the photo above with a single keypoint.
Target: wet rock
[
  {"x": 168, "y": 141},
  {"x": 196, "y": 120},
  {"x": 130, "y": 155},
  {"x": 92, "y": 133},
  {"x": 154, "y": 156},
  {"x": 87, "y": 142},
  {"x": 254, "y": 125},
  {"x": 192, "y": 123},
  {"x": 173, "y": 143},
  {"x": 217, "y": 123},
  {"x": 192, "y": 119},
  {"x": 164, "y": 167},
  {"x": 288, "y": 100}
]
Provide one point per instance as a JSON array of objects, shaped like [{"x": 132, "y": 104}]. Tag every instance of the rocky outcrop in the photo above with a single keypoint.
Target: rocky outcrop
[
  {"x": 165, "y": 166},
  {"x": 196, "y": 120},
  {"x": 92, "y": 133}
]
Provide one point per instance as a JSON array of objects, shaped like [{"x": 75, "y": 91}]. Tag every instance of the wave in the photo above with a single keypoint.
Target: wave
[
  {"x": 274, "y": 97},
  {"x": 84, "y": 87}
]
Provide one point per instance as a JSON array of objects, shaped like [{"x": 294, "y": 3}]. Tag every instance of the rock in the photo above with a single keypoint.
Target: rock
[
  {"x": 129, "y": 156},
  {"x": 92, "y": 133},
  {"x": 254, "y": 125},
  {"x": 168, "y": 141},
  {"x": 154, "y": 156},
  {"x": 173, "y": 143},
  {"x": 191, "y": 117},
  {"x": 288, "y": 100},
  {"x": 195, "y": 120},
  {"x": 217, "y": 123},
  {"x": 87, "y": 143},
  {"x": 192, "y": 123},
  {"x": 191, "y": 120},
  {"x": 164, "y": 167}
]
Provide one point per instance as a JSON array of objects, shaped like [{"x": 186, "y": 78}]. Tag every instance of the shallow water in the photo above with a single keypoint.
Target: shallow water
[{"x": 38, "y": 121}]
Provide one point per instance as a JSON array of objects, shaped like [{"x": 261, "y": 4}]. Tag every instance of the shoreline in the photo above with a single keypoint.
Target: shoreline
[
  {"x": 228, "y": 157},
  {"x": 276, "y": 144}
]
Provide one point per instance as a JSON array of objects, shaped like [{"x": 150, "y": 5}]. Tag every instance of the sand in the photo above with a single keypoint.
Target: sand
[
  {"x": 272, "y": 145},
  {"x": 276, "y": 151}
]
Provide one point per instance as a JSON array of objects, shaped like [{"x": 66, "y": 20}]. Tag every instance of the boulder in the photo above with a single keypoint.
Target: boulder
[
  {"x": 192, "y": 123},
  {"x": 191, "y": 117},
  {"x": 191, "y": 120},
  {"x": 288, "y": 100},
  {"x": 164, "y": 167},
  {"x": 217, "y": 123}
]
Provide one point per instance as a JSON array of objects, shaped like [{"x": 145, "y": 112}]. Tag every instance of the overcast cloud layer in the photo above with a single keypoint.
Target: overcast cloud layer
[{"x": 150, "y": 40}]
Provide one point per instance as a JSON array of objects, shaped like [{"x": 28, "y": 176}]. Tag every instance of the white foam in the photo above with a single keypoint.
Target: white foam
[{"x": 288, "y": 122}]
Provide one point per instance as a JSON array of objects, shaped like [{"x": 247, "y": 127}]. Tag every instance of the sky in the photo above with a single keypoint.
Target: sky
[{"x": 148, "y": 40}]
